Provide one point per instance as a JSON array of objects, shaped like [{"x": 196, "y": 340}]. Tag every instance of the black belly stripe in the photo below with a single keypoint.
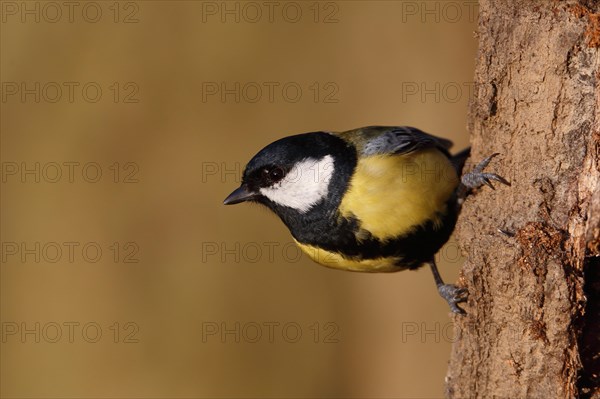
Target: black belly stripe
[{"x": 414, "y": 248}]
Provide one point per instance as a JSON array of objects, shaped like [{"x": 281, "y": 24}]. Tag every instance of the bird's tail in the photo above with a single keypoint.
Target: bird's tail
[{"x": 459, "y": 159}]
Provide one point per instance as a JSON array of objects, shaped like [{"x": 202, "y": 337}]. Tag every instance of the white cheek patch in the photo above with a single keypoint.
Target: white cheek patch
[{"x": 304, "y": 185}]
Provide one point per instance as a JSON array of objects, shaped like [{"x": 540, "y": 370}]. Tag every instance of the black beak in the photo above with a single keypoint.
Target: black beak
[{"x": 240, "y": 194}]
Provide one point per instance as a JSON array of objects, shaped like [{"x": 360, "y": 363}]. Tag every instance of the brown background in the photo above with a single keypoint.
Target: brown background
[{"x": 177, "y": 135}]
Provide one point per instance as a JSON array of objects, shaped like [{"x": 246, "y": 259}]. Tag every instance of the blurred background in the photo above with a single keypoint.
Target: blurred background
[{"x": 123, "y": 127}]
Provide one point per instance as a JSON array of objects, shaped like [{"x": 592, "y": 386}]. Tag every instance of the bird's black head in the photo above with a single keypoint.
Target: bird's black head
[{"x": 298, "y": 174}]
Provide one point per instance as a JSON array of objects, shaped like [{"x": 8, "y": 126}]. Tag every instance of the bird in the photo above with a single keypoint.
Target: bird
[{"x": 375, "y": 199}]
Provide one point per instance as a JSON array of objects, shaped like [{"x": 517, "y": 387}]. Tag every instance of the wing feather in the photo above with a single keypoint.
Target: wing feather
[{"x": 403, "y": 140}]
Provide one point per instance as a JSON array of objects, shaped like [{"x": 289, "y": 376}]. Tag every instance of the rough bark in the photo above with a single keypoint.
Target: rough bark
[{"x": 533, "y": 321}]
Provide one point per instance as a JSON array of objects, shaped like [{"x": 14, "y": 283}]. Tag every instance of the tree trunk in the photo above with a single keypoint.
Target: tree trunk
[{"x": 533, "y": 270}]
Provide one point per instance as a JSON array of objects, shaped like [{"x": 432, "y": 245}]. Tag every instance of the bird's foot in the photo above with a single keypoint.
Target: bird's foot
[
  {"x": 453, "y": 295},
  {"x": 478, "y": 177}
]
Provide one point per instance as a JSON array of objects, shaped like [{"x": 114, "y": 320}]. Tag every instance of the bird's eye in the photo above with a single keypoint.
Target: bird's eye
[
  {"x": 276, "y": 174},
  {"x": 272, "y": 174}
]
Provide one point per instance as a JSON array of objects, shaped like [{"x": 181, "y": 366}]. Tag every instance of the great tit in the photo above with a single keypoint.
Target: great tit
[{"x": 373, "y": 199}]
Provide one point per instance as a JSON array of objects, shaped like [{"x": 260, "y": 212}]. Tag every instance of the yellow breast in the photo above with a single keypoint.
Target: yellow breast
[
  {"x": 393, "y": 194},
  {"x": 336, "y": 261}
]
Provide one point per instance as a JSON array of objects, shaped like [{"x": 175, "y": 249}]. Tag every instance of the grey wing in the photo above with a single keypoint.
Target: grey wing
[{"x": 404, "y": 139}]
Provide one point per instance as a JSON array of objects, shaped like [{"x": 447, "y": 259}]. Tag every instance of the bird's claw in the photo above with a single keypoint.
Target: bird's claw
[
  {"x": 478, "y": 177},
  {"x": 453, "y": 295}
]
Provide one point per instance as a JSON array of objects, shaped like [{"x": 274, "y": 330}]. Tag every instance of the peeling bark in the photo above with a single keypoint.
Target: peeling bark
[{"x": 533, "y": 321}]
